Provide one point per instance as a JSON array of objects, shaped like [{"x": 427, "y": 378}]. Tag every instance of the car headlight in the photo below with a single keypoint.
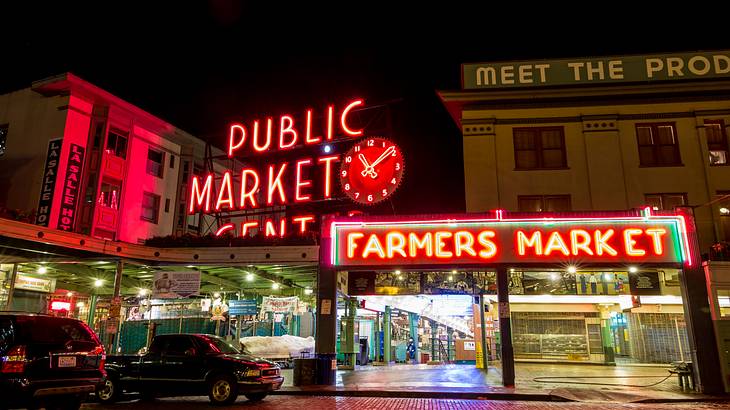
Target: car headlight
[{"x": 253, "y": 373}]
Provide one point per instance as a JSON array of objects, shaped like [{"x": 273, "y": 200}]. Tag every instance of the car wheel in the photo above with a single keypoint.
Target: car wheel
[
  {"x": 109, "y": 392},
  {"x": 256, "y": 396},
  {"x": 222, "y": 389}
]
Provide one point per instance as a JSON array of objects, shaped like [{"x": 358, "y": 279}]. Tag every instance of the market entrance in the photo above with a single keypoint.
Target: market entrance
[{"x": 603, "y": 290}]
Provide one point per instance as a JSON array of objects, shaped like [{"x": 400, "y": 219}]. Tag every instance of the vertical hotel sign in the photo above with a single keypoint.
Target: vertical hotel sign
[
  {"x": 50, "y": 171},
  {"x": 70, "y": 197}
]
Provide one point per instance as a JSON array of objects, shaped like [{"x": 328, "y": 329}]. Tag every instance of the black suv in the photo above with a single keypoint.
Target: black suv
[{"x": 47, "y": 361}]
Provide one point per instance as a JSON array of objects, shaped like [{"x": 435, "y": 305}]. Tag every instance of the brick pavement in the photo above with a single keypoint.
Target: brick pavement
[{"x": 363, "y": 403}]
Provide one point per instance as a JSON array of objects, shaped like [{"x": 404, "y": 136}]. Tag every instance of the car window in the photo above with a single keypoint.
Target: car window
[
  {"x": 218, "y": 345},
  {"x": 53, "y": 330},
  {"x": 158, "y": 344},
  {"x": 6, "y": 334},
  {"x": 178, "y": 345}
]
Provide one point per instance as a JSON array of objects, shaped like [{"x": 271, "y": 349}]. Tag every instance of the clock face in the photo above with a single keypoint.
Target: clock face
[{"x": 371, "y": 170}]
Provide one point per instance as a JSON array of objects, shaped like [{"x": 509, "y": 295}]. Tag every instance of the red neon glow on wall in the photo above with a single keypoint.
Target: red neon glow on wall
[{"x": 343, "y": 119}]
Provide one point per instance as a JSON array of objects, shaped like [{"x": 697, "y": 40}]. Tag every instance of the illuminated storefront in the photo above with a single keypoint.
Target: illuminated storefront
[{"x": 575, "y": 287}]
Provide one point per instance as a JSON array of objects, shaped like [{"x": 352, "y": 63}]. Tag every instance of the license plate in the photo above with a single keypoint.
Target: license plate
[{"x": 67, "y": 361}]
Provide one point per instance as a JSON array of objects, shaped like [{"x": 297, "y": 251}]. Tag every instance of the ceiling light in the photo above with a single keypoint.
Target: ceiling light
[
  {"x": 571, "y": 269},
  {"x": 216, "y": 295},
  {"x": 42, "y": 270},
  {"x": 80, "y": 304},
  {"x": 397, "y": 272},
  {"x": 275, "y": 286},
  {"x": 98, "y": 283},
  {"x": 725, "y": 211},
  {"x": 190, "y": 266},
  {"x": 308, "y": 291},
  {"x": 633, "y": 269},
  {"x": 69, "y": 294},
  {"x": 453, "y": 271},
  {"x": 142, "y": 292},
  {"x": 250, "y": 277}
]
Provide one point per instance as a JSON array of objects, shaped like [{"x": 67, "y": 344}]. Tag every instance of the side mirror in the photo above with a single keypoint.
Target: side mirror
[{"x": 191, "y": 352}]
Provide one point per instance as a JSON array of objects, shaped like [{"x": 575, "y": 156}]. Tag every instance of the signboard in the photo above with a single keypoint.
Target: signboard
[
  {"x": 279, "y": 305},
  {"x": 302, "y": 180},
  {"x": 342, "y": 286},
  {"x": 50, "y": 171},
  {"x": 26, "y": 282},
  {"x": 326, "y": 307},
  {"x": 70, "y": 196},
  {"x": 503, "y": 239},
  {"x": 645, "y": 283},
  {"x": 175, "y": 284},
  {"x": 242, "y": 307},
  {"x": 469, "y": 345},
  {"x": 582, "y": 71}
]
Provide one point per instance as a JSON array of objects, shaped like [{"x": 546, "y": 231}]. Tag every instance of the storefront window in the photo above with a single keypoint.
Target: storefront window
[
  {"x": 109, "y": 195},
  {"x": 723, "y": 301}
]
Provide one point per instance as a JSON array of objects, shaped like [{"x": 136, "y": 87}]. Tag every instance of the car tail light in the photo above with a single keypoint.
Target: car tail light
[
  {"x": 14, "y": 360},
  {"x": 99, "y": 351}
]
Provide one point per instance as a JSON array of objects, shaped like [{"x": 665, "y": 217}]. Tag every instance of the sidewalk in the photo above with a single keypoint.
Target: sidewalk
[{"x": 534, "y": 381}]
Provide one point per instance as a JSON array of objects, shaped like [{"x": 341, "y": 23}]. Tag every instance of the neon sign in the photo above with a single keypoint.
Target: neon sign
[
  {"x": 646, "y": 239},
  {"x": 303, "y": 180}
]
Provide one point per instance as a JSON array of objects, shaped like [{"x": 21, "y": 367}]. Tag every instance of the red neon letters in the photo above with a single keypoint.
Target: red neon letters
[{"x": 289, "y": 136}]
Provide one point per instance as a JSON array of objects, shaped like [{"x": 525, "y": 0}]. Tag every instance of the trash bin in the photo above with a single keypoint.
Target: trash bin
[
  {"x": 305, "y": 372},
  {"x": 326, "y": 369}
]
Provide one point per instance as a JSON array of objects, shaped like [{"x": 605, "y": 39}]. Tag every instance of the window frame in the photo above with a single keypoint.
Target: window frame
[
  {"x": 543, "y": 201},
  {"x": 161, "y": 168},
  {"x": 539, "y": 150},
  {"x": 656, "y": 148},
  {"x": 157, "y": 209},
  {"x": 118, "y": 133},
  {"x": 720, "y": 123},
  {"x": 664, "y": 194}
]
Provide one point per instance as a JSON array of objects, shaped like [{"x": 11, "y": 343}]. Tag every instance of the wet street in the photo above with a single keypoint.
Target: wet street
[{"x": 353, "y": 403}]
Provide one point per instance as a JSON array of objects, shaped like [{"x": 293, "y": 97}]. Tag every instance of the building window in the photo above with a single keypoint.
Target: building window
[
  {"x": 155, "y": 161},
  {"x": 167, "y": 205},
  {"x": 716, "y": 141},
  {"x": 172, "y": 161},
  {"x": 116, "y": 144},
  {"x": 109, "y": 195},
  {"x": 3, "y": 138},
  {"x": 658, "y": 145},
  {"x": 665, "y": 202},
  {"x": 150, "y": 207},
  {"x": 543, "y": 203},
  {"x": 539, "y": 148}
]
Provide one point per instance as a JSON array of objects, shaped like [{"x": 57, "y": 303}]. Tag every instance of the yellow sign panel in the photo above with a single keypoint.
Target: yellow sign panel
[{"x": 480, "y": 356}]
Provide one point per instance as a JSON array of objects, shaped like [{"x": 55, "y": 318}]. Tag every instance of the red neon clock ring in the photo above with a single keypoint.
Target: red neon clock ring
[{"x": 371, "y": 170}]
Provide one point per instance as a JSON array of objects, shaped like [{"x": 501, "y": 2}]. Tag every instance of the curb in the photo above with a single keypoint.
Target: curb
[{"x": 422, "y": 395}]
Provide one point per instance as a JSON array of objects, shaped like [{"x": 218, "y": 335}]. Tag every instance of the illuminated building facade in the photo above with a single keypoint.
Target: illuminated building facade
[{"x": 79, "y": 159}]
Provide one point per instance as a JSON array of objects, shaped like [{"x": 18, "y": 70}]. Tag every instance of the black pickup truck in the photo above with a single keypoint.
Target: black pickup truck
[{"x": 188, "y": 365}]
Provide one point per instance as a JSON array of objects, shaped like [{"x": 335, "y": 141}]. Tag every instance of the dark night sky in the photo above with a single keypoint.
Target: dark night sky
[{"x": 201, "y": 66}]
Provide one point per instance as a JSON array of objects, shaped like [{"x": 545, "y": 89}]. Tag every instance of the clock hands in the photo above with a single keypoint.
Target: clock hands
[{"x": 370, "y": 168}]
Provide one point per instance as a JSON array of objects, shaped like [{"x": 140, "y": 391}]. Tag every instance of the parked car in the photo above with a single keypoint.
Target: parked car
[
  {"x": 48, "y": 361},
  {"x": 190, "y": 364}
]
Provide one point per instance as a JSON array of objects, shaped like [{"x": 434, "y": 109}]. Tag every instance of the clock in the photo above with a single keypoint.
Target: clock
[{"x": 371, "y": 170}]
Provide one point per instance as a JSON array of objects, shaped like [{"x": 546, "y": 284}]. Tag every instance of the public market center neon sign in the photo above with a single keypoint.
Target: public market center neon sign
[
  {"x": 645, "y": 239},
  {"x": 278, "y": 183}
]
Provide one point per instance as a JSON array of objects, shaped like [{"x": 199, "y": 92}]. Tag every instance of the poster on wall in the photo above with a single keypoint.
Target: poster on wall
[
  {"x": 645, "y": 283},
  {"x": 406, "y": 283},
  {"x": 48, "y": 185},
  {"x": 26, "y": 282},
  {"x": 548, "y": 283},
  {"x": 70, "y": 197},
  {"x": 602, "y": 283},
  {"x": 279, "y": 305},
  {"x": 175, "y": 284},
  {"x": 361, "y": 283}
]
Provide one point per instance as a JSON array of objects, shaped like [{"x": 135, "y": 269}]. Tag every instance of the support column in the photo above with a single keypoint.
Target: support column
[
  {"x": 483, "y": 334},
  {"x": 693, "y": 285},
  {"x": 378, "y": 352},
  {"x": 349, "y": 349},
  {"x": 413, "y": 325},
  {"x": 449, "y": 343},
  {"x": 115, "y": 308},
  {"x": 434, "y": 339},
  {"x": 326, "y": 320},
  {"x": 505, "y": 327},
  {"x": 92, "y": 308},
  {"x": 386, "y": 335},
  {"x": 609, "y": 356},
  {"x": 13, "y": 277}
]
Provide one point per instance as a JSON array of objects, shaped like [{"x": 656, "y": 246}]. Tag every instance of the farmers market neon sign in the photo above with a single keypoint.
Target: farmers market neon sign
[{"x": 650, "y": 238}]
